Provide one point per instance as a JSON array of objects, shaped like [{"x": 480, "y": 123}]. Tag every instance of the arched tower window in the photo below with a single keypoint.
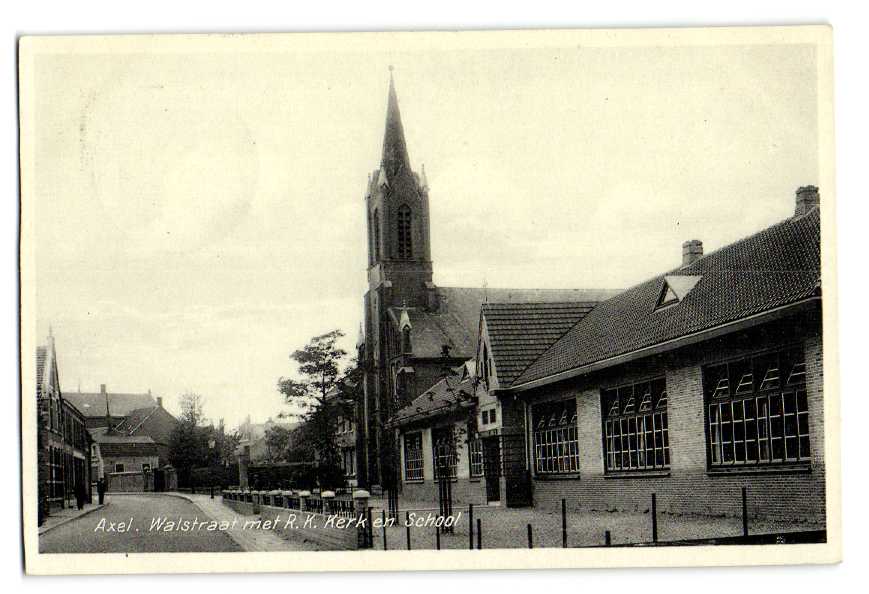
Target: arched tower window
[
  {"x": 405, "y": 241},
  {"x": 375, "y": 222}
]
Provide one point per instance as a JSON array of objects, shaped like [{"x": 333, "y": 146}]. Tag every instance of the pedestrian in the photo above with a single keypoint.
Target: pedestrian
[
  {"x": 101, "y": 489},
  {"x": 79, "y": 495}
]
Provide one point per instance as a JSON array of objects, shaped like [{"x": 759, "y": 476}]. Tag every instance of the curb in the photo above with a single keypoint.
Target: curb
[{"x": 68, "y": 520}]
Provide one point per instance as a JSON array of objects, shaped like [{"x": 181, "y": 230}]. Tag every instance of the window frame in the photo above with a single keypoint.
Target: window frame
[
  {"x": 420, "y": 469},
  {"x": 475, "y": 457},
  {"x": 755, "y": 448},
  {"x": 404, "y": 232},
  {"x": 116, "y": 465},
  {"x": 558, "y": 454},
  {"x": 636, "y": 420}
]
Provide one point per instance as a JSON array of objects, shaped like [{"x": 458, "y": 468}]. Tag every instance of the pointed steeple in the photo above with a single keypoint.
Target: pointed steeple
[{"x": 395, "y": 159}]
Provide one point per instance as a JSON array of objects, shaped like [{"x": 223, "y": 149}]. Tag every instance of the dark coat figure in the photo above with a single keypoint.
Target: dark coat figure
[
  {"x": 80, "y": 495},
  {"x": 101, "y": 489}
]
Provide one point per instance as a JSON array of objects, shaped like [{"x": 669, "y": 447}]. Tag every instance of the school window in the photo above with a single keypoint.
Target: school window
[
  {"x": 757, "y": 410},
  {"x": 444, "y": 452},
  {"x": 475, "y": 451},
  {"x": 119, "y": 468},
  {"x": 636, "y": 435},
  {"x": 556, "y": 445},
  {"x": 413, "y": 458}
]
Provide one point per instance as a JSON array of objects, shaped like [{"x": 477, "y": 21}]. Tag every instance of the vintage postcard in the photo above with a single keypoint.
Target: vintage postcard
[{"x": 459, "y": 300}]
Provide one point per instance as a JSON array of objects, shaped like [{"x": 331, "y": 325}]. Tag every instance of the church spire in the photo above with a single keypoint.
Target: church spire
[{"x": 395, "y": 159}]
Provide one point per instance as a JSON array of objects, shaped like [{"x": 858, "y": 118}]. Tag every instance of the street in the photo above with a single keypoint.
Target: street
[{"x": 111, "y": 530}]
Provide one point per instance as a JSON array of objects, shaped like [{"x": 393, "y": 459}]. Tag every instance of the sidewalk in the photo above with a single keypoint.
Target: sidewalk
[
  {"x": 249, "y": 540},
  {"x": 62, "y": 516}
]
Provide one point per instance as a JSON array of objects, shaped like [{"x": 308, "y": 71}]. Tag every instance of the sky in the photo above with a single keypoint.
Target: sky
[{"x": 200, "y": 215}]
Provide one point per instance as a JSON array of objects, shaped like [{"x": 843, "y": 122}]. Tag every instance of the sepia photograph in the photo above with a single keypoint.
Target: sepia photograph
[{"x": 431, "y": 300}]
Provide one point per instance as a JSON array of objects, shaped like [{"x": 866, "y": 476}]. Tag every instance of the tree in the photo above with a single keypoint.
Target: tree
[
  {"x": 278, "y": 443},
  {"x": 324, "y": 391},
  {"x": 188, "y": 442}
]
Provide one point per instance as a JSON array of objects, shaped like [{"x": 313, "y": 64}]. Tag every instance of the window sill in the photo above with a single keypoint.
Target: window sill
[
  {"x": 640, "y": 474},
  {"x": 414, "y": 481},
  {"x": 755, "y": 470},
  {"x": 475, "y": 479},
  {"x": 557, "y": 477}
]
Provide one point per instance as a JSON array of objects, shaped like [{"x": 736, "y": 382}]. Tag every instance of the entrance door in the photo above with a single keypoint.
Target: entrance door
[{"x": 492, "y": 467}]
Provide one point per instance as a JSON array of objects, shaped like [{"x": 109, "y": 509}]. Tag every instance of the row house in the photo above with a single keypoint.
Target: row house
[{"x": 63, "y": 442}]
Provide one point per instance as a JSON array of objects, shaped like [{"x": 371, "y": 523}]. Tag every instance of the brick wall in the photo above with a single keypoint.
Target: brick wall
[{"x": 688, "y": 487}]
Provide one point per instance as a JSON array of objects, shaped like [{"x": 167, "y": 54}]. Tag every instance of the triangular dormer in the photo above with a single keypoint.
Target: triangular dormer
[{"x": 674, "y": 289}]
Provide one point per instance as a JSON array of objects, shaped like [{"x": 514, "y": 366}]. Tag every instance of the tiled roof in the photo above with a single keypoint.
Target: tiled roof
[
  {"x": 128, "y": 449},
  {"x": 447, "y": 395},
  {"x": 520, "y": 332},
  {"x": 457, "y": 319},
  {"x": 775, "y": 267},
  {"x": 93, "y": 404}
]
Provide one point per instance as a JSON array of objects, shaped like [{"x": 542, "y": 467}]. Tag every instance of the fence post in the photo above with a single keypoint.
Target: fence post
[
  {"x": 564, "y": 523},
  {"x": 530, "y": 538},
  {"x": 328, "y": 497},
  {"x": 437, "y": 538},
  {"x": 471, "y": 526},
  {"x": 407, "y": 526},
  {"x": 383, "y": 522},
  {"x": 479, "y": 534},
  {"x": 256, "y": 501},
  {"x": 607, "y": 538},
  {"x": 303, "y": 500},
  {"x": 212, "y": 491},
  {"x": 654, "y": 518},
  {"x": 744, "y": 512},
  {"x": 360, "y": 505}
]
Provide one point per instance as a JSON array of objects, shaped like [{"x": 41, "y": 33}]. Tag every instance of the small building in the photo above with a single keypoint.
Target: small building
[
  {"x": 63, "y": 443},
  {"x": 127, "y": 462},
  {"x": 440, "y": 437}
]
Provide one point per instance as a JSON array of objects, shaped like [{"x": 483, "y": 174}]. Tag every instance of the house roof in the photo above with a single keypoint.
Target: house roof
[
  {"x": 447, "y": 395},
  {"x": 93, "y": 404},
  {"x": 775, "y": 267},
  {"x": 520, "y": 332},
  {"x": 457, "y": 320},
  {"x": 100, "y": 435},
  {"x": 128, "y": 449},
  {"x": 154, "y": 421}
]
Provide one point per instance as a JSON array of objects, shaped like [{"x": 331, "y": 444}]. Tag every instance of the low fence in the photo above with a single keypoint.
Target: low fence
[{"x": 337, "y": 523}]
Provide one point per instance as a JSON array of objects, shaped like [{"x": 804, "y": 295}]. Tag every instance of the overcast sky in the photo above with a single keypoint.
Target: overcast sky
[{"x": 201, "y": 215}]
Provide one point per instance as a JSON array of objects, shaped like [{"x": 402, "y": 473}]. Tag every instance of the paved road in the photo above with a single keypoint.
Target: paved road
[{"x": 86, "y": 534}]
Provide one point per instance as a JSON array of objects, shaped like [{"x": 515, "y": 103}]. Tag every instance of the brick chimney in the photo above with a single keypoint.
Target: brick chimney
[
  {"x": 160, "y": 401},
  {"x": 692, "y": 251},
  {"x": 807, "y": 198}
]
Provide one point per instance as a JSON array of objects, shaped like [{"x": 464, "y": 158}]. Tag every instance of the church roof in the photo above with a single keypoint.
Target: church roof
[
  {"x": 456, "y": 322},
  {"x": 776, "y": 267},
  {"x": 520, "y": 332}
]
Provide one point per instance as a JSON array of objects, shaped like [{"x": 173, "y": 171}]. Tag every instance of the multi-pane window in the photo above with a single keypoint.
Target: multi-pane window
[
  {"x": 475, "y": 454},
  {"x": 556, "y": 446},
  {"x": 413, "y": 458},
  {"x": 444, "y": 452},
  {"x": 405, "y": 241},
  {"x": 758, "y": 411},
  {"x": 636, "y": 435},
  {"x": 119, "y": 468}
]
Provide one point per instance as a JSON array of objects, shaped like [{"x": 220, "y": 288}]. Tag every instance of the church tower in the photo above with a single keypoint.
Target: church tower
[
  {"x": 399, "y": 278},
  {"x": 399, "y": 252}
]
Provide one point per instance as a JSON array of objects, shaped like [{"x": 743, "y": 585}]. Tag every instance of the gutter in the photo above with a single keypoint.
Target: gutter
[{"x": 673, "y": 343}]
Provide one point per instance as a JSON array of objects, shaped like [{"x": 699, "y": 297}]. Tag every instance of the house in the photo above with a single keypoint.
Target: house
[
  {"x": 94, "y": 406},
  {"x": 63, "y": 443},
  {"x": 413, "y": 329},
  {"x": 127, "y": 462},
  {"x": 151, "y": 421},
  {"x": 692, "y": 385}
]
